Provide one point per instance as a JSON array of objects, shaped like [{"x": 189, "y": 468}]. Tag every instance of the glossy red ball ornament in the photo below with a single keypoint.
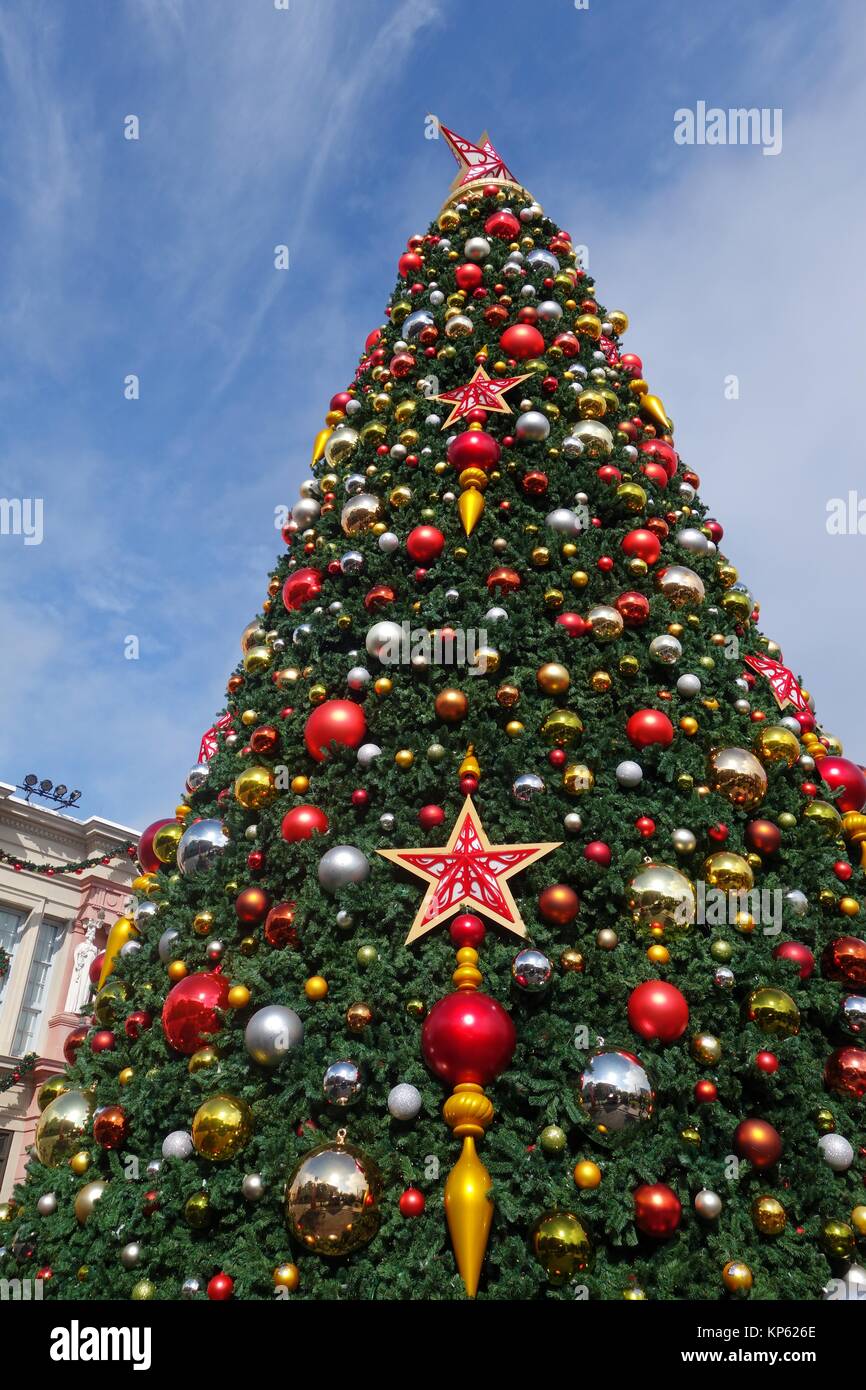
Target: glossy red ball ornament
[
  {"x": 649, "y": 726},
  {"x": 521, "y": 341},
  {"x": 467, "y": 930},
  {"x": 715, "y": 529},
  {"x": 604, "y": 563},
  {"x": 265, "y": 740},
  {"x": 706, "y": 1092},
  {"x": 573, "y": 623},
  {"x": 845, "y": 1073},
  {"x": 845, "y": 960},
  {"x": 336, "y": 721},
  {"x": 843, "y": 870},
  {"x": 468, "y": 1036},
  {"x": 473, "y": 449},
  {"x": 136, "y": 1023},
  {"x": 763, "y": 836},
  {"x": 410, "y": 265},
  {"x": 798, "y": 954},
  {"x": 660, "y": 452},
  {"x": 841, "y": 772},
  {"x": 103, "y": 1040},
  {"x": 425, "y": 544},
  {"x": 608, "y": 473},
  {"x": 468, "y": 276},
  {"x": 220, "y": 1287},
  {"x": 645, "y": 826},
  {"x": 597, "y": 852},
  {"x": 557, "y": 757},
  {"x": 412, "y": 1202},
  {"x": 280, "y": 927},
  {"x": 633, "y": 608},
  {"x": 252, "y": 905},
  {"x": 360, "y": 798},
  {"x": 558, "y": 904},
  {"x": 657, "y": 1010},
  {"x": 255, "y": 860},
  {"x": 631, "y": 363},
  {"x": 657, "y": 1210},
  {"x": 759, "y": 1142},
  {"x": 95, "y": 970},
  {"x": 301, "y": 587},
  {"x": 656, "y": 474},
  {"x": 74, "y": 1039},
  {"x": 503, "y": 225},
  {"x": 302, "y": 822},
  {"x": 430, "y": 816},
  {"x": 45, "y": 1273},
  {"x": 767, "y": 1062},
  {"x": 718, "y": 832},
  {"x": 642, "y": 544},
  {"x": 339, "y": 401},
  {"x": 146, "y": 857},
  {"x": 192, "y": 1011},
  {"x": 110, "y": 1127}
]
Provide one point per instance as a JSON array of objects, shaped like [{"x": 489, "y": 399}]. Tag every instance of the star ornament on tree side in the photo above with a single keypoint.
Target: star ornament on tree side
[
  {"x": 481, "y": 393},
  {"x": 468, "y": 873},
  {"x": 782, "y": 682}
]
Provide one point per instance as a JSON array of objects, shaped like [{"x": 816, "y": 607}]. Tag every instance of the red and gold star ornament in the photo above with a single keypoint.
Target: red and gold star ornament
[
  {"x": 782, "y": 683},
  {"x": 468, "y": 873},
  {"x": 479, "y": 164},
  {"x": 481, "y": 393}
]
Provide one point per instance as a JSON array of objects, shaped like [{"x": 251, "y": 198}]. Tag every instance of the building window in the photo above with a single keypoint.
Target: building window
[
  {"x": 48, "y": 939},
  {"x": 5, "y": 1147},
  {"x": 11, "y": 924}
]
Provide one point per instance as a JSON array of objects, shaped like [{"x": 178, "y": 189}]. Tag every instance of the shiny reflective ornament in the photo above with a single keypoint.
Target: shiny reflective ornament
[
  {"x": 736, "y": 774},
  {"x": 333, "y": 1200},
  {"x": 200, "y": 847},
  {"x": 404, "y": 1102},
  {"x": 272, "y": 1033},
  {"x": 526, "y": 786},
  {"x": 852, "y": 1010},
  {"x": 844, "y": 1073},
  {"x": 776, "y": 744},
  {"x": 221, "y": 1127},
  {"x": 166, "y": 945},
  {"x": 658, "y": 893},
  {"x": 531, "y": 971},
  {"x": 360, "y": 513},
  {"x": 86, "y": 1198},
  {"x": 708, "y": 1205},
  {"x": 561, "y": 1244},
  {"x": 47, "y": 1204},
  {"x": 342, "y": 1083},
  {"x": 836, "y": 1152},
  {"x": 773, "y": 1011},
  {"x": 130, "y": 1254},
  {"x": 629, "y": 774},
  {"x": 384, "y": 642},
  {"x": 683, "y": 840},
  {"x": 737, "y": 1277},
  {"x": 190, "y": 1288},
  {"x": 62, "y": 1128},
  {"x": 680, "y": 586},
  {"x": 837, "y": 1240},
  {"x": 729, "y": 872},
  {"x": 665, "y": 649},
  {"x": 253, "y": 1187},
  {"x": 342, "y": 865},
  {"x": 769, "y": 1216},
  {"x": 255, "y": 788},
  {"x": 845, "y": 960},
  {"x": 615, "y": 1091},
  {"x": 177, "y": 1144}
]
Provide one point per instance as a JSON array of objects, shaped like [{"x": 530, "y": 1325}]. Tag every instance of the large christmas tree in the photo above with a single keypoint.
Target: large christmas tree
[{"x": 516, "y": 878}]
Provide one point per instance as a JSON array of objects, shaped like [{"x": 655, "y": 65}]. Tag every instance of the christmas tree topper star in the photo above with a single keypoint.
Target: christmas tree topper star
[
  {"x": 479, "y": 165},
  {"x": 481, "y": 393},
  {"x": 468, "y": 873}
]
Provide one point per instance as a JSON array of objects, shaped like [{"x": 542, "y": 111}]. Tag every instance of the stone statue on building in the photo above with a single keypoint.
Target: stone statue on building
[{"x": 79, "y": 984}]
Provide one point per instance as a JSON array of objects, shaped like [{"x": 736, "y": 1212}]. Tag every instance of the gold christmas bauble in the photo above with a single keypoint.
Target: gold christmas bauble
[
  {"x": 606, "y": 622},
  {"x": 203, "y": 1059},
  {"x": 706, "y": 1048},
  {"x": 837, "y": 1240},
  {"x": 572, "y": 960},
  {"x": 728, "y": 871},
  {"x": 587, "y": 1174},
  {"x": 553, "y": 679},
  {"x": 333, "y": 1199},
  {"x": 736, "y": 774},
  {"x": 80, "y": 1162},
  {"x": 825, "y": 816},
  {"x": 776, "y": 744},
  {"x": 287, "y": 1276},
  {"x": 561, "y": 728},
  {"x": 49, "y": 1090},
  {"x": 578, "y": 779},
  {"x": 316, "y": 987},
  {"x": 769, "y": 1216},
  {"x": 221, "y": 1127},
  {"x": 62, "y": 1127},
  {"x": 659, "y": 893},
  {"x": 358, "y": 1017},
  {"x": 86, "y": 1198},
  {"x": 774, "y": 1011},
  {"x": 680, "y": 586},
  {"x": 451, "y": 706},
  {"x": 737, "y": 1277},
  {"x": 561, "y": 1245},
  {"x": 858, "y": 1219},
  {"x": 255, "y": 788},
  {"x": 166, "y": 841}
]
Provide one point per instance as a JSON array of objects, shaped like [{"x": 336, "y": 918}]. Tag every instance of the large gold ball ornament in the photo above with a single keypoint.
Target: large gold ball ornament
[
  {"x": 49, "y": 1090},
  {"x": 659, "y": 893},
  {"x": 825, "y": 816},
  {"x": 166, "y": 841},
  {"x": 257, "y": 659},
  {"x": 221, "y": 1127},
  {"x": 86, "y": 1198},
  {"x": 333, "y": 1199},
  {"x": 578, "y": 779},
  {"x": 360, "y": 513},
  {"x": 105, "y": 1004},
  {"x": 858, "y": 1219},
  {"x": 203, "y": 1059},
  {"x": 606, "y": 622},
  {"x": 773, "y": 1011},
  {"x": 837, "y": 1240},
  {"x": 561, "y": 728},
  {"x": 561, "y": 1245},
  {"x": 587, "y": 1174},
  {"x": 255, "y": 788},
  {"x": 62, "y": 1126},
  {"x": 776, "y": 744},
  {"x": 736, "y": 774},
  {"x": 769, "y": 1216},
  {"x": 729, "y": 872},
  {"x": 553, "y": 679},
  {"x": 287, "y": 1276},
  {"x": 737, "y": 603},
  {"x": 80, "y": 1162},
  {"x": 680, "y": 586},
  {"x": 737, "y": 1277}
]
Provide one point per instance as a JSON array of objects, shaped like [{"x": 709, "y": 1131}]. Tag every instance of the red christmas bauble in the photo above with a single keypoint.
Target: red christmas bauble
[
  {"x": 642, "y": 544},
  {"x": 468, "y": 276},
  {"x": 573, "y": 623},
  {"x": 658, "y": 1010},
  {"x": 74, "y": 1039},
  {"x": 265, "y": 740},
  {"x": 430, "y": 816},
  {"x": 597, "y": 852},
  {"x": 220, "y": 1287},
  {"x": 843, "y": 870},
  {"x": 412, "y": 1202},
  {"x": 520, "y": 341},
  {"x": 110, "y": 1127},
  {"x": 706, "y": 1092},
  {"x": 645, "y": 826},
  {"x": 633, "y": 608},
  {"x": 96, "y": 968},
  {"x": 103, "y": 1040},
  {"x": 502, "y": 224},
  {"x": 632, "y": 364},
  {"x": 841, "y": 772},
  {"x": 336, "y": 721},
  {"x": 763, "y": 836},
  {"x": 468, "y": 1036},
  {"x": 410, "y": 265},
  {"x": 656, "y": 473},
  {"x": 146, "y": 857},
  {"x": 845, "y": 960},
  {"x": 301, "y": 587},
  {"x": 798, "y": 953},
  {"x": 192, "y": 1009},
  {"x": 252, "y": 905},
  {"x": 558, "y": 904},
  {"x": 473, "y": 449},
  {"x": 759, "y": 1142},
  {"x": 660, "y": 452},
  {"x": 648, "y": 726},
  {"x": 657, "y": 1210},
  {"x": 467, "y": 930},
  {"x": 718, "y": 832},
  {"x": 280, "y": 927},
  {"x": 136, "y": 1023},
  {"x": 302, "y": 822},
  {"x": 845, "y": 1073},
  {"x": 425, "y": 544},
  {"x": 767, "y": 1062}
]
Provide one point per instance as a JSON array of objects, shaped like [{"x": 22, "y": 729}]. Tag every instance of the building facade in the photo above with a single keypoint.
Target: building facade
[{"x": 52, "y": 926}]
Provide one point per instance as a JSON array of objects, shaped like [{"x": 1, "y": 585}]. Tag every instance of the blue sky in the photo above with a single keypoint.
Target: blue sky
[{"x": 261, "y": 126}]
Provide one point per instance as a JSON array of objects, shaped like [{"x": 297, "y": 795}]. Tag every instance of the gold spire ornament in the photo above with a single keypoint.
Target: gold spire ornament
[{"x": 470, "y": 505}]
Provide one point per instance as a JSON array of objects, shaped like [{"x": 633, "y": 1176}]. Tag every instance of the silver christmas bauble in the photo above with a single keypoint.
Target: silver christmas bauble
[
  {"x": 129, "y": 948},
  {"x": 360, "y": 513},
  {"x": 615, "y": 1092},
  {"x": 531, "y": 970},
  {"x": 143, "y": 914},
  {"x": 573, "y": 822},
  {"x": 404, "y": 1102},
  {"x": 200, "y": 847},
  {"x": 665, "y": 649},
  {"x": 190, "y": 1288},
  {"x": 414, "y": 324},
  {"x": 342, "y": 1083},
  {"x": 723, "y": 978},
  {"x": 341, "y": 865},
  {"x": 629, "y": 774},
  {"x": 690, "y": 538},
  {"x": 496, "y": 615},
  {"x": 526, "y": 786},
  {"x": 165, "y": 948},
  {"x": 358, "y": 678},
  {"x": 476, "y": 248},
  {"x": 836, "y": 1152},
  {"x": 572, "y": 447},
  {"x": 539, "y": 259},
  {"x": 154, "y": 1168},
  {"x": 853, "y": 1015},
  {"x": 352, "y": 562},
  {"x": 683, "y": 840},
  {"x": 253, "y": 1187},
  {"x": 789, "y": 722},
  {"x": 708, "y": 1205},
  {"x": 177, "y": 1144},
  {"x": 384, "y": 641},
  {"x": 272, "y": 1033},
  {"x": 306, "y": 512},
  {"x": 532, "y": 425},
  {"x": 196, "y": 777},
  {"x": 797, "y": 902},
  {"x": 47, "y": 1204},
  {"x": 851, "y": 1286},
  {"x": 367, "y": 754},
  {"x": 596, "y": 438},
  {"x": 689, "y": 685},
  {"x": 564, "y": 521},
  {"x": 345, "y": 920},
  {"x": 130, "y": 1254},
  {"x": 549, "y": 311},
  {"x": 388, "y": 542}
]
